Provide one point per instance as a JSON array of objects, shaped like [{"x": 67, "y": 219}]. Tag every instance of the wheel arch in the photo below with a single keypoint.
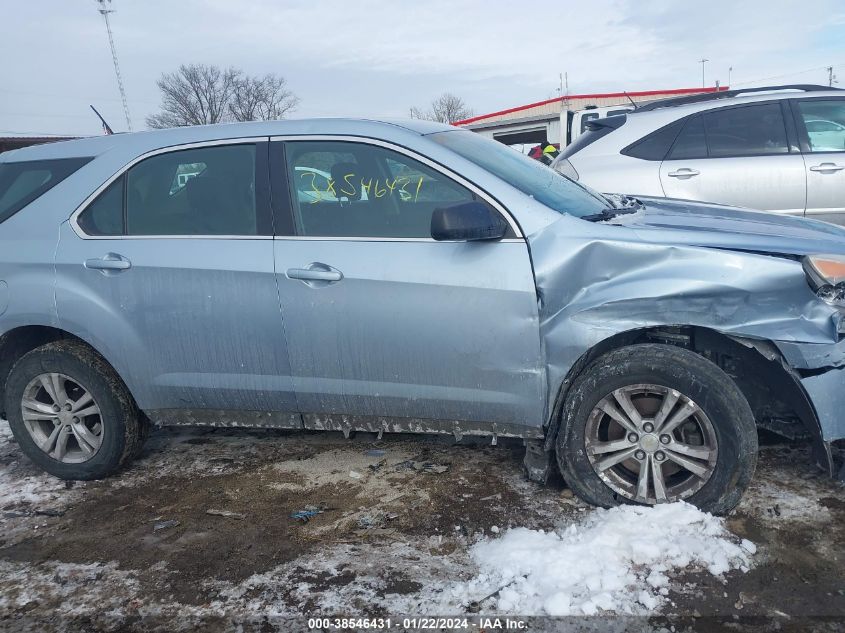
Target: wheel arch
[
  {"x": 773, "y": 390},
  {"x": 23, "y": 339}
]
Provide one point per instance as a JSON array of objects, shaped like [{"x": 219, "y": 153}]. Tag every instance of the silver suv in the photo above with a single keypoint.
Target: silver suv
[
  {"x": 407, "y": 277},
  {"x": 778, "y": 148}
]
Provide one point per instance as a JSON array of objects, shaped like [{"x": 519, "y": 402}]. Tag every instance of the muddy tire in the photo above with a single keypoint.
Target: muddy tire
[
  {"x": 649, "y": 424},
  {"x": 71, "y": 413}
]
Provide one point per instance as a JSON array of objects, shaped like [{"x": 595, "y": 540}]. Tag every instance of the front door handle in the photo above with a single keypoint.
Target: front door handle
[
  {"x": 684, "y": 172},
  {"x": 315, "y": 274},
  {"x": 827, "y": 168},
  {"x": 109, "y": 263}
]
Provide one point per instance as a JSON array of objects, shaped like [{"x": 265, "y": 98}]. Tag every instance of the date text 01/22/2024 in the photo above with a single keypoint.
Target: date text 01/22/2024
[{"x": 420, "y": 623}]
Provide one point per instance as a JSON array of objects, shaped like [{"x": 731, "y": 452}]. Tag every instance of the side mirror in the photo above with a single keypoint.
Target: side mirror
[{"x": 467, "y": 221}]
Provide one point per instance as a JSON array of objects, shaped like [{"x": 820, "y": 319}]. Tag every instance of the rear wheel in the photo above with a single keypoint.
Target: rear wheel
[
  {"x": 70, "y": 413},
  {"x": 652, "y": 424}
]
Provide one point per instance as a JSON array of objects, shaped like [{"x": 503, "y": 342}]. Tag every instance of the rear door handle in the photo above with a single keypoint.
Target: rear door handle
[
  {"x": 110, "y": 262},
  {"x": 684, "y": 172},
  {"x": 827, "y": 168},
  {"x": 315, "y": 274}
]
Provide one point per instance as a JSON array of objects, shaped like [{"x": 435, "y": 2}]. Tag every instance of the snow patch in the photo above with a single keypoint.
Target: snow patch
[
  {"x": 618, "y": 560},
  {"x": 23, "y": 483}
]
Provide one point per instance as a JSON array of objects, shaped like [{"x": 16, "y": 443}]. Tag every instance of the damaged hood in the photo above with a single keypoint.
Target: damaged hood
[{"x": 685, "y": 222}]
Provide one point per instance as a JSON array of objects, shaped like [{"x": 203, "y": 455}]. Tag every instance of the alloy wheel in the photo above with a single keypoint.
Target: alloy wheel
[
  {"x": 651, "y": 444},
  {"x": 62, "y": 418}
]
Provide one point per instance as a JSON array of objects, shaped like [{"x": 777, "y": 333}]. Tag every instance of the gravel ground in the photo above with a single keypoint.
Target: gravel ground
[{"x": 197, "y": 535}]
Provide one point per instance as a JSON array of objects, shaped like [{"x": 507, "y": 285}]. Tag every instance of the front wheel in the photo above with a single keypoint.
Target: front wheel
[{"x": 651, "y": 424}]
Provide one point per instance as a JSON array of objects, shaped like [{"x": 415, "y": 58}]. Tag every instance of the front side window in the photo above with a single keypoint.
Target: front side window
[
  {"x": 749, "y": 130},
  {"x": 23, "y": 182},
  {"x": 345, "y": 189},
  {"x": 825, "y": 124}
]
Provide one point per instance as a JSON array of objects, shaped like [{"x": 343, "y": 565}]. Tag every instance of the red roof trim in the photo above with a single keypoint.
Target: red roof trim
[{"x": 600, "y": 95}]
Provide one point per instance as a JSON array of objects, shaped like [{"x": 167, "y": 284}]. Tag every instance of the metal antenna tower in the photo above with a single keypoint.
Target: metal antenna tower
[{"x": 104, "y": 7}]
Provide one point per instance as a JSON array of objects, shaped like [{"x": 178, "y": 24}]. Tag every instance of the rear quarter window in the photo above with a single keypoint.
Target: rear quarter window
[
  {"x": 656, "y": 145},
  {"x": 23, "y": 182}
]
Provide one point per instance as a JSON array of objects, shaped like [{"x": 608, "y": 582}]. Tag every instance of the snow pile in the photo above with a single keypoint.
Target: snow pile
[{"x": 616, "y": 560}]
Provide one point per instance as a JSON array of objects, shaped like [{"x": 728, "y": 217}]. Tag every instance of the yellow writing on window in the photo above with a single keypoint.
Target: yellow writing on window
[{"x": 354, "y": 187}]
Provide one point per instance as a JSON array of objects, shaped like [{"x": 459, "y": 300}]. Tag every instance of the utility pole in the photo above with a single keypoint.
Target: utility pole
[
  {"x": 702, "y": 62},
  {"x": 566, "y": 89},
  {"x": 831, "y": 78},
  {"x": 104, "y": 7},
  {"x": 730, "y": 70}
]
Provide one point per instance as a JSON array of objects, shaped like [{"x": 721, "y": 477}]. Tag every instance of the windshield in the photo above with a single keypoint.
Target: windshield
[{"x": 529, "y": 176}]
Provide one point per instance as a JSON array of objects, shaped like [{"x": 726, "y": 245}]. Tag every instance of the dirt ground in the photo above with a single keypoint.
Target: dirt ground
[{"x": 197, "y": 535}]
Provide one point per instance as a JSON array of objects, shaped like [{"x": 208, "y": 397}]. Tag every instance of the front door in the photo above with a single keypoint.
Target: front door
[
  {"x": 740, "y": 156},
  {"x": 822, "y": 126},
  {"x": 383, "y": 321},
  {"x": 169, "y": 273}
]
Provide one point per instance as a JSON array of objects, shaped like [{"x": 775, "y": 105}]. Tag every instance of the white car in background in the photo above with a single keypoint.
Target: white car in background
[{"x": 778, "y": 148}]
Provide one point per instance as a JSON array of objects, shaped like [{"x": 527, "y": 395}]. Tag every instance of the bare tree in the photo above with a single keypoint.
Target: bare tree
[
  {"x": 197, "y": 94},
  {"x": 264, "y": 98},
  {"x": 447, "y": 108}
]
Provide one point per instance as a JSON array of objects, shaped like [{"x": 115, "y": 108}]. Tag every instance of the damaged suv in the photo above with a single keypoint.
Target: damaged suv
[{"x": 433, "y": 282}]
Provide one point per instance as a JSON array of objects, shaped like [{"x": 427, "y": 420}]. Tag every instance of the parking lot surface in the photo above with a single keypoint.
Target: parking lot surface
[{"x": 213, "y": 529}]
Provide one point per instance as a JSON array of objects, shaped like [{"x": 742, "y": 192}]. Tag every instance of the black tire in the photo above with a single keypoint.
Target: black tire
[
  {"x": 675, "y": 368},
  {"x": 123, "y": 426}
]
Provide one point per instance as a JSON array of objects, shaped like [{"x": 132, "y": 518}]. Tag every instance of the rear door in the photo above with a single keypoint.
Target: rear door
[
  {"x": 821, "y": 125},
  {"x": 383, "y": 322},
  {"x": 169, "y": 272},
  {"x": 742, "y": 156}
]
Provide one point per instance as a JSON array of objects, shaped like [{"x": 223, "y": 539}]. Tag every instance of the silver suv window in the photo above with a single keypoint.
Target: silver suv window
[
  {"x": 200, "y": 191},
  {"x": 747, "y": 130},
  {"x": 824, "y": 121},
  {"x": 23, "y": 182},
  {"x": 754, "y": 130},
  {"x": 347, "y": 189}
]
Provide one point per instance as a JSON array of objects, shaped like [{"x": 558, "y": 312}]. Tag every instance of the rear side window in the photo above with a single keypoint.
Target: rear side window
[
  {"x": 656, "y": 145},
  {"x": 202, "y": 191},
  {"x": 750, "y": 130},
  {"x": 691, "y": 142},
  {"x": 104, "y": 216},
  {"x": 22, "y": 183}
]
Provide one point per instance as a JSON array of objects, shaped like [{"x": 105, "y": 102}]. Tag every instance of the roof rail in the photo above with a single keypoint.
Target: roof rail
[{"x": 725, "y": 94}]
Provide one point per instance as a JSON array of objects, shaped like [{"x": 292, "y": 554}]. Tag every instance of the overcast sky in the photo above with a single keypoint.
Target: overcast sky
[{"x": 378, "y": 58}]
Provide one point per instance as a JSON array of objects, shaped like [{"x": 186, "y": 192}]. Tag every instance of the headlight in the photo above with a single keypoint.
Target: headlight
[{"x": 826, "y": 274}]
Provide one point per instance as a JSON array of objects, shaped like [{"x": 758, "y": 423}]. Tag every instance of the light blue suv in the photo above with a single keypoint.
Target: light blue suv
[{"x": 433, "y": 282}]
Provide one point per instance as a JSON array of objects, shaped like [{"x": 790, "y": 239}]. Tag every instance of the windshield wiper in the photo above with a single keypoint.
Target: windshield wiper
[
  {"x": 621, "y": 201},
  {"x": 609, "y": 214}
]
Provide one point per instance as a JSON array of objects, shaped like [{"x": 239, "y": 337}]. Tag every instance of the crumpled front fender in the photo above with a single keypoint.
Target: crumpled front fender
[{"x": 592, "y": 289}]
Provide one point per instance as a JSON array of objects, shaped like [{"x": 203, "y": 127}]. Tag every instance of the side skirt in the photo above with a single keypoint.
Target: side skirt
[{"x": 337, "y": 422}]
